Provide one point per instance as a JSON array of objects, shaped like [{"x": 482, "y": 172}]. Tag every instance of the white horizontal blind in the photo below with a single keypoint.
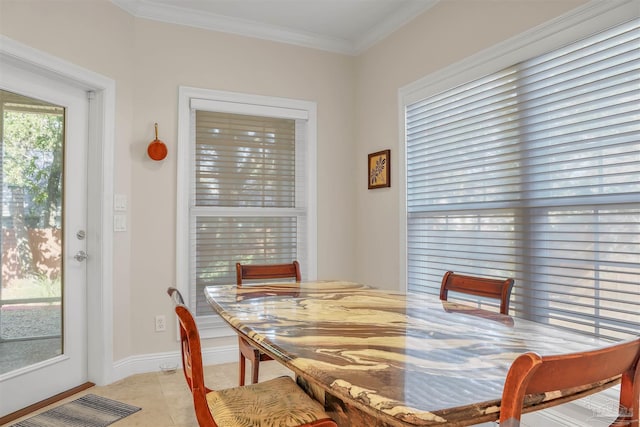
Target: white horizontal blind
[
  {"x": 244, "y": 161},
  {"x": 534, "y": 173},
  {"x": 244, "y": 196}
]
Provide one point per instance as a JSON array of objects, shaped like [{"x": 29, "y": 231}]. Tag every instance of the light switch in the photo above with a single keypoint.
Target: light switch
[
  {"x": 120, "y": 202},
  {"x": 119, "y": 222}
]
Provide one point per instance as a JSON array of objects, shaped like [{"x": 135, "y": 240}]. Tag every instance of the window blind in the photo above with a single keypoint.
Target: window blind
[
  {"x": 244, "y": 161},
  {"x": 533, "y": 173},
  {"x": 243, "y": 197}
]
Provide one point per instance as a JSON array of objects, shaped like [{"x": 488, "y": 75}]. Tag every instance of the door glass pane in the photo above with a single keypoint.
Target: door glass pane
[{"x": 31, "y": 199}]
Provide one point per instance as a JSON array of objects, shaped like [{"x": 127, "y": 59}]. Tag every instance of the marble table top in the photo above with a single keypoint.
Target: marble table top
[{"x": 408, "y": 359}]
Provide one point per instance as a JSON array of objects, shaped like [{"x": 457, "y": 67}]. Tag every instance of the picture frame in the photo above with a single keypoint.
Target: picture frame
[{"x": 379, "y": 169}]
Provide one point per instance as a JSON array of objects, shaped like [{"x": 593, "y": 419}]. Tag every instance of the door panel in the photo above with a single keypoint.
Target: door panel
[{"x": 43, "y": 339}]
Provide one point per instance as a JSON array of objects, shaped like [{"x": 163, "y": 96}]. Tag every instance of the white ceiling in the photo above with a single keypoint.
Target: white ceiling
[{"x": 343, "y": 26}]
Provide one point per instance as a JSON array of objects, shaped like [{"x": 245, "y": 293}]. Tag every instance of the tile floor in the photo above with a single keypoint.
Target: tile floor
[{"x": 164, "y": 398}]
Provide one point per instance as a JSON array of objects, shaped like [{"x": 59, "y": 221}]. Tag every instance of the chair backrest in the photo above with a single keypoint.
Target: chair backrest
[
  {"x": 267, "y": 271},
  {"x": 480, "y": 286},
  {"x": 531, "y": 373},
  {"x": 192, "y": 359}
]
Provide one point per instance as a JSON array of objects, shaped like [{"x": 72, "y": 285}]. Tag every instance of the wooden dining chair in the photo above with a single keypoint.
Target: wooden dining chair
[
  {"x": 481, "y": 286},
  {"x": 260, "y": 272},
  {"x": 275, "y": 403},
  {"x": 531, "y": 373},
  {"x": 267, "y": 271}
]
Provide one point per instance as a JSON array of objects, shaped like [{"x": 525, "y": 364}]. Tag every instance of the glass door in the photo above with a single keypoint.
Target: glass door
[
  {"x": 43, "y": 193},
  {"x": 31, "y": 200}
]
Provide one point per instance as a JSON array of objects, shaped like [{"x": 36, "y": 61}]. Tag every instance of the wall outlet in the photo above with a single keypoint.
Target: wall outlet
[{"x": 161, "y": 323}]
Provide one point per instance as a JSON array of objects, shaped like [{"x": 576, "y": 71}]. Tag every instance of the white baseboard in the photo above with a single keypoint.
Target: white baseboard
[{"x": 144, "y": 363}]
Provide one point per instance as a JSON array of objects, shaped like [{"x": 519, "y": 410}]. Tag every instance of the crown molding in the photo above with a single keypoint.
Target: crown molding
[
  {"x": 214, "y": 22},
  {"x": 393, "y": 22}
]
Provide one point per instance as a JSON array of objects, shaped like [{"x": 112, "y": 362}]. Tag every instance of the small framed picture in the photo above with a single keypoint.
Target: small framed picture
[{"x": 379, "y": 169}]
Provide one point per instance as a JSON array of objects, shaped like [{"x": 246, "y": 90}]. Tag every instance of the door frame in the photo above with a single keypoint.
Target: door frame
[{"x": 100, "y": 167}]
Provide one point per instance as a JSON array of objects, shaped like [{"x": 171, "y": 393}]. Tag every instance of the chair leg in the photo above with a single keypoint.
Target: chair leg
[
  {"x": 243, "y": 363},
  {"x": 255, "y": 366}
]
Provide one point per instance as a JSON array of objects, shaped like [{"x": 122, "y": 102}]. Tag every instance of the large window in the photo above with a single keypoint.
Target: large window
[
  {"x": 533, "y": 172},
  {"x": 246, "y": 187}
]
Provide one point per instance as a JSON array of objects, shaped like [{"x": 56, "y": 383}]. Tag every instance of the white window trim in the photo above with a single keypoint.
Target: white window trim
[
  {"x": 582, "y": 22},
  {"x": 213, "y": 326}
]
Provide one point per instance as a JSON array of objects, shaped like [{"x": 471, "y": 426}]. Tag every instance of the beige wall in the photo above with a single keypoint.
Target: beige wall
[
  {"x": 148, "y": 61},
  {"x": 168, "y": 56},
  {"x": 445, "y": 34},
  {"x": 358, "y": 229}
]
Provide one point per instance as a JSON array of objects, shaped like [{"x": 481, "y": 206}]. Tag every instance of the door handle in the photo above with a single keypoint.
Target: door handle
[{"x": 80, "y": 256}]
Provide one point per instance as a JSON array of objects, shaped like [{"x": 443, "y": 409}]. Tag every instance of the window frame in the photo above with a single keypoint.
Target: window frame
[
  {"x": 579, "y": 23},
  {"x": 239, "y": 103}
]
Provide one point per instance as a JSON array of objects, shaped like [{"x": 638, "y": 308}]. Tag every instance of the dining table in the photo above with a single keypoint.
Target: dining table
[{"x": 379, "y": 358}]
